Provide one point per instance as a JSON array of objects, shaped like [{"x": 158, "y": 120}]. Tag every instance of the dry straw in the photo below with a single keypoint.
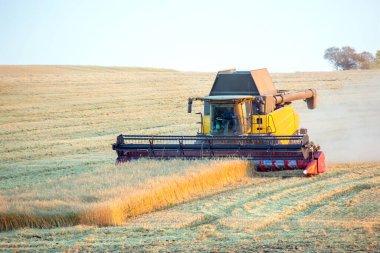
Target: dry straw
[
  {"x": 156, "y": 194},
  {"x": 165, "y": 192}
]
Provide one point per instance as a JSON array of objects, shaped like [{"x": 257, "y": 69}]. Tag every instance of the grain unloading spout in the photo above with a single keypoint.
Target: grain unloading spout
[{"x": 309, "y": 95}]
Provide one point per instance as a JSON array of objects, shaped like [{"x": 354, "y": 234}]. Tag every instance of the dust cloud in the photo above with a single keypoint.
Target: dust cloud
[{"x": 346, "y": 122}]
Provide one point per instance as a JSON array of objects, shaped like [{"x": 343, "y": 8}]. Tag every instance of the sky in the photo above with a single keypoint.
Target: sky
[{"x": 194, "y": 35}]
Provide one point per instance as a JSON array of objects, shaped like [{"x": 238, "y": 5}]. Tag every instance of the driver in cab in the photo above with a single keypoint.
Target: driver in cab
[{"x": 229, "y": 120}]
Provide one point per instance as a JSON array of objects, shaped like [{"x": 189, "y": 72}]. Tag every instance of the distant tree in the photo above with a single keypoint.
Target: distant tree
[
  {"x": 365, "y": 59},
  {"x": 331, "y": 54},
  {"x": 346, "y": 58},
  {"x": 376, "y": 63}
]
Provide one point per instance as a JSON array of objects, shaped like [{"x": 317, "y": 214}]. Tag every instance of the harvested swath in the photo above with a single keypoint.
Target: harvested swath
[
  {"x": 165, "y": 192},
  {"x": 10, "y": 221},
  {"x": 156, "y": 193}
]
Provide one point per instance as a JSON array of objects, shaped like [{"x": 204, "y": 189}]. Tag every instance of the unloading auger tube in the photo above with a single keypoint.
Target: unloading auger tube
[
  {"x": 244, "y": 117},
  {"x": 310, "y": 96}
]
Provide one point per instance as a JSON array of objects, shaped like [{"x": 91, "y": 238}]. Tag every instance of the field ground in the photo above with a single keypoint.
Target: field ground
[
  {"x": 57, "y": 124},
  {"x": 338, "y": 211}
]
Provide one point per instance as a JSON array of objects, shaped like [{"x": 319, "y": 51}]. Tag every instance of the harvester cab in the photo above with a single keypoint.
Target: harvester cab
[
  {"x": 257, "y": 107},
  {"x": 244, "y": 116},
  {"x": 226, "y": 115}
]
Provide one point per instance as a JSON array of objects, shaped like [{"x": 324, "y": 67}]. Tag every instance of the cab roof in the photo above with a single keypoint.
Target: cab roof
[
  {"x": 229, "y": 97},
  {"x": 244, "y": 83}
]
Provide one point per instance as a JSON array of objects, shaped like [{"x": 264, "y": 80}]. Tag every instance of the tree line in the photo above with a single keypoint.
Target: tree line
[{"x": 347, "y": 58}]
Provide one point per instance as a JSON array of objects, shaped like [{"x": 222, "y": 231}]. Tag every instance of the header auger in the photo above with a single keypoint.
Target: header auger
[{"x": 244, "y": 116}]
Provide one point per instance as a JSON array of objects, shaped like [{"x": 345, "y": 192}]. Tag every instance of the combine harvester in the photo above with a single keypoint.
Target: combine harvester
[{"x": 244, "y": 116}]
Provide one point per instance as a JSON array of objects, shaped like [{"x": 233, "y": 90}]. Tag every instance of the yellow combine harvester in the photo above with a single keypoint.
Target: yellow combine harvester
[{"x": 244, "y": 116}]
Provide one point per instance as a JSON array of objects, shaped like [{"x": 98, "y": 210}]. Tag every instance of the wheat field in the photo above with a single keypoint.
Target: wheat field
[{"x": 59, "y": 186}]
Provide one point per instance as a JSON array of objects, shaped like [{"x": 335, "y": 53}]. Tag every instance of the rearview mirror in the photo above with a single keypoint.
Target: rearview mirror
[{"x": 189, "y": 105}]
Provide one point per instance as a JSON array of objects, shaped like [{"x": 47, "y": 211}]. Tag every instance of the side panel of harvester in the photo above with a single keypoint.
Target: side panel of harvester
[{"x": 283, "y": 121}]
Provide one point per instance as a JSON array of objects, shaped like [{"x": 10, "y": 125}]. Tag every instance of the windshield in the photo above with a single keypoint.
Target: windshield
[{"x": 225, "y": 119}]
